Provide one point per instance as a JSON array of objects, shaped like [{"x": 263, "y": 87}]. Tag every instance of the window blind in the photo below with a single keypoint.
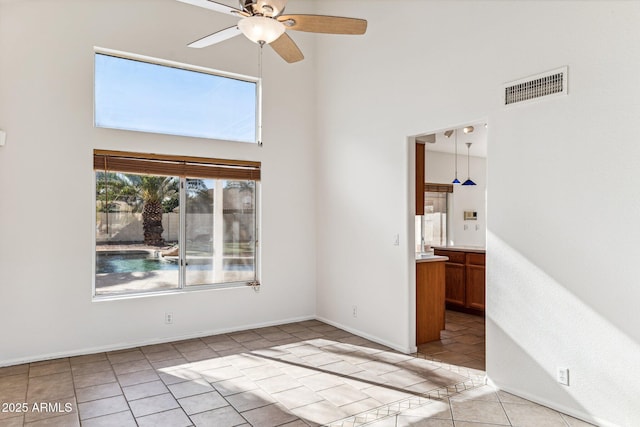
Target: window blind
[
  {"x": 166, "y": 165},
  {"x": 438, "y": 188}
]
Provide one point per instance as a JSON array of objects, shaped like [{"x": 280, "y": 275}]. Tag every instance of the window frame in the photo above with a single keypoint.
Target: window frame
[
  {"x": 187, "y": 67},
  {"x": 182, "y": 286}
]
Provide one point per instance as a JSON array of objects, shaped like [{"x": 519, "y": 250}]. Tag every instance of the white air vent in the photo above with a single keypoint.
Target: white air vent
[{"x": 543, "y": 85}]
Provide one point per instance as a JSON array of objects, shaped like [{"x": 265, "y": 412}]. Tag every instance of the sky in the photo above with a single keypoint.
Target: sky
[{"x": 140, "y": 96}]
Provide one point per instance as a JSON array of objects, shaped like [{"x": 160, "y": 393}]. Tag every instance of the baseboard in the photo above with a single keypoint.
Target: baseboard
[
  {"x": 553, "y": 405},
  {"x": 405, "y": 350},
  {"x": 126, "y": 345}
]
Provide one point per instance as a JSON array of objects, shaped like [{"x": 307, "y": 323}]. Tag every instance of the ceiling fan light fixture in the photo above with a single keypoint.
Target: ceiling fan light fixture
[{"x": 260, "y": 29}]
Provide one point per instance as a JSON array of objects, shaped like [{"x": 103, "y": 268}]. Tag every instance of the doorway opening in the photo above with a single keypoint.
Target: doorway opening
[{"x": 450, "y": 221}]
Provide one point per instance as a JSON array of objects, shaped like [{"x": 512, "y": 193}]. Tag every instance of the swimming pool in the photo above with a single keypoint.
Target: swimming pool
[
  {"x": 142, "y": 261},
  {"x": 131, "y": 262}
]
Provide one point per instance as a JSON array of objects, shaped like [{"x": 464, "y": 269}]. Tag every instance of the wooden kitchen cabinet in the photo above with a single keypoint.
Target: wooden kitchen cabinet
[
  {"x": 475, "y": 281},
  {"x": 455, "y": 284},
  {"x": 464, "y": 280},
  {"x": 429, "y": 301}
]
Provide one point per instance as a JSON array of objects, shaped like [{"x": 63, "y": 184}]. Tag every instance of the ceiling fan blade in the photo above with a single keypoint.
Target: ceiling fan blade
[
  {"x": 324, "y": 24},
  {"x": 217, "y": 7},
  {"x": 287, "y": 49},
  {"x": 216, "y": 37}
]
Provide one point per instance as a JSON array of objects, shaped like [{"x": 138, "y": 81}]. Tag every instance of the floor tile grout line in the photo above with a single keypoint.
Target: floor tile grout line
[
  {"x": 426, "y": 397},
  {"x": 504, "y": 410}
]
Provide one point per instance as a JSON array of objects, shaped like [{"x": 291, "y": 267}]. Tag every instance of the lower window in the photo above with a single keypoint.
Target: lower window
[{"x": 167, "y": 223}]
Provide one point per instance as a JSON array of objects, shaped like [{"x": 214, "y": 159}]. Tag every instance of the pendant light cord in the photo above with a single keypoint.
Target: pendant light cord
[
  {"x": 456, "y": 149},
  {"x": 468, "y": 150}
]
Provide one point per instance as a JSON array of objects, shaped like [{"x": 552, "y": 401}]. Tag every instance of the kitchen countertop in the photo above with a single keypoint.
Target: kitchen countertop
[
  {"x": 461, "y": 248},
  {"x": 432, "y": 258}
]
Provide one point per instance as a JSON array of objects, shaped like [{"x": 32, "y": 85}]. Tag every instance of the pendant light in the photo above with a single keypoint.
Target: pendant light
[
  {"x": 468, "y": 181},
  {"x": 448, "y": 135}
]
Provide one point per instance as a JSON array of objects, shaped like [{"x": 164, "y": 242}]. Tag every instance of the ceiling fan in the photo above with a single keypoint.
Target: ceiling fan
[{"x": 263, "y": 22}]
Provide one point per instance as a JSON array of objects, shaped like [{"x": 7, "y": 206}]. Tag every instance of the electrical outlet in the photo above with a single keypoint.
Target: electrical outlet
[
  {"x": 354, "y": 311},
  {"x": 168, "y": 318},
  {"x": 396, "y": 240},
  {"x": 563, "y": 376}
]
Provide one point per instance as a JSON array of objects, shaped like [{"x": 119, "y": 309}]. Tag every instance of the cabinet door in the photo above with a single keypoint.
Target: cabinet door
[
  {"x": 455, "y": 284},
  {"x": 475, "y": 286},
  {"x": 429, "y": 301}
]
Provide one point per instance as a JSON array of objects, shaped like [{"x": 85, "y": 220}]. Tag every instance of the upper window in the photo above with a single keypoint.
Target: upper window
[
  {"x": 169, "y": 223},
  {"x": 149, "y": 95}
]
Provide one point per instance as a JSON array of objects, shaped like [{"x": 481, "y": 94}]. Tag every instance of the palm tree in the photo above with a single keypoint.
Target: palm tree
[
  {"x": 147, "y": 193},
  {"x": 153, "y": 190}
]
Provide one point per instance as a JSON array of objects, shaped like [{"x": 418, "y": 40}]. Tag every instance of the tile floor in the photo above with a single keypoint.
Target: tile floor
[
  {"x": 461, "y": 343},
  {"x": 300, "y": 374}
]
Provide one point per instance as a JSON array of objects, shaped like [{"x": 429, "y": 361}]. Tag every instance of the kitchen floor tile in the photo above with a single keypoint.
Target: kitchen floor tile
[
  {"x": 97, "y": 392},
  {"x": 119, "y": 419},
  {"x": 49, "y": 368},
  {"x": 221, "y": 417},
  {"x": 14, "y": 370},
  {"x": 532, "y": 415},
  {"x": 173, "y": 418},
  {"x": 68, "y": 420},
  {"x": 296, "y": 397},
  {"x": 250, "y": 400},
  {"x": 202, "y": 402},
  {"x": 343, "y": 395},
  {"x": 152, "y": 405},
  {"x": 190, "y": 388},
  {"x": 320, "y": 413},
  {"x": 137, "y": 377},
  {"x": 408, "y": 421},
  {"x": 81, "y": 381},
  {"x": 139, "y": 391},
  {"x": 479, "y": 411},
  {"x": 106, "y": 406},
  {"x": 269, "y": 416}
]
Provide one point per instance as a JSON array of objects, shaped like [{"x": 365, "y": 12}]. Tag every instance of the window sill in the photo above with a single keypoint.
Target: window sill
[{"x": 187, "y": 290}]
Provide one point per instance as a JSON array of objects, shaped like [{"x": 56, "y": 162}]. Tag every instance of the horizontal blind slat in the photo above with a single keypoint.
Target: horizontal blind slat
[
  {"x": 438, "y": 188},
  {"x": 195, "y": 167}
]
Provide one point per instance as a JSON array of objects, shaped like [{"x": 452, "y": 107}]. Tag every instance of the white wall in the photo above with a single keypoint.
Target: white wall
[
  {"x": 439, "y": 167},
  {"x": 558, "y": 293},
  {"x": 46, "y": 187}
]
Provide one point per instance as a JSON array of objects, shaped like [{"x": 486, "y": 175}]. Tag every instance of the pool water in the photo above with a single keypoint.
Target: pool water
[{"x": 133, "y": 262}]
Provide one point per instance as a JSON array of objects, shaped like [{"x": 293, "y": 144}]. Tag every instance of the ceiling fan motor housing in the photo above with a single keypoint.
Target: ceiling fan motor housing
[{"x": 269, "y": 8}]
